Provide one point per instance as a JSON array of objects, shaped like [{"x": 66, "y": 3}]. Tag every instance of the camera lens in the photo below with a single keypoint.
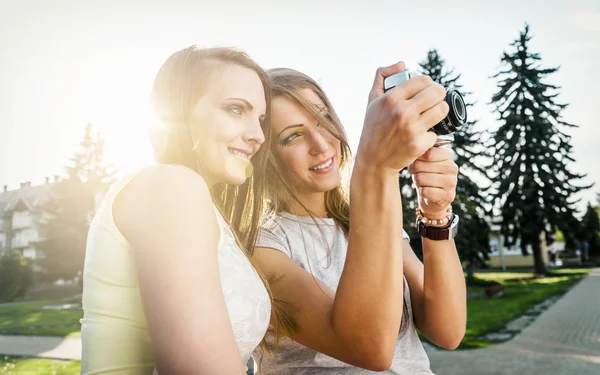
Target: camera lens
[
  {"x": 459, "y": 106},
  {"x": 457, "y": 114}
]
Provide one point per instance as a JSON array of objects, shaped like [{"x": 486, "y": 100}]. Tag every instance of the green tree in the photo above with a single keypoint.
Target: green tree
[
  {"x": 532, "y": 184},
  {"x": 590, "y": 230},
  {"x": 473, "y": 245},
  {"x": 16, "y": 276},
  {"x": 64, "y": 218}
]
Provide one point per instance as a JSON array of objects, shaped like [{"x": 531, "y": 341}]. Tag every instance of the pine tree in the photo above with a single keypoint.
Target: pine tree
[
  {"x": 88, "y": 164},
  {"x": 473, "y": 245},
  {"x": 409, "y": 206},
  {"x": 533, "y": 186},
  {"x": 65, "y": 216},
  {"x": 590, "y": 230}
]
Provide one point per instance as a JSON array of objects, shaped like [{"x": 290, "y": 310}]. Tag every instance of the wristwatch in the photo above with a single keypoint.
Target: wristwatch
[{"x": 438, "y": 233}]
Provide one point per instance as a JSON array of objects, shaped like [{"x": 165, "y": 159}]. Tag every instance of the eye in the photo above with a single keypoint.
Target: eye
[
  {"x": 287, "y": 140},
  {"x": 235, "y": 109}
]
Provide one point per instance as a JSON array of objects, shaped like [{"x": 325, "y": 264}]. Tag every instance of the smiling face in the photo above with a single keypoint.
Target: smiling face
[
  {"x": 309, "y": 153},
  {"x": 226, "y": 124}
]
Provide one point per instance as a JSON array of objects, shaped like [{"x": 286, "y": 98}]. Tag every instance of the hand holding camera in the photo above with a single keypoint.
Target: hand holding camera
[
  {"x": 457, "y": 114},
  {"x": 399, "y": 119},
  {"x": 435, "y": 174}
]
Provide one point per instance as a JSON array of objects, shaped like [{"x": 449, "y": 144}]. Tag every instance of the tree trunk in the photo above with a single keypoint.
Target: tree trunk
[{"x": 538, "y": 259}]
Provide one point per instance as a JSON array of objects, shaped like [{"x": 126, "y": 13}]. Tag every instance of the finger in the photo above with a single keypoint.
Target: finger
[
  {"x": 437, "y": 154},
  {"x": 442, "y": 167},
  {"x": 437, "y": 180},
  {"x": 412, "y": 87},
  {"x": 433, "y": 115},
  {"x": 427, "y": 97},
  {"x": 420, "y": 144},
  {"x": 436, "y": 196},
  {"x": 377, "y": 89}
]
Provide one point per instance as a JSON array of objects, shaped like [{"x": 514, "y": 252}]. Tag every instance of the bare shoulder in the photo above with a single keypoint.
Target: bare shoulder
[
  {"x": 166, "y": 193},
  {"x": 163, "y": 178}
]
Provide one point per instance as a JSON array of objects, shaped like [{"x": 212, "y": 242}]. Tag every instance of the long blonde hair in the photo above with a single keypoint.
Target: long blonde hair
[
  {"x": 178, "y": 86},
  {"x": 290, "y": 83}
]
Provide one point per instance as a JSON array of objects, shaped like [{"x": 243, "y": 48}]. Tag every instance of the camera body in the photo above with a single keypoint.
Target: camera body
[{"x": 457, "y": 114}]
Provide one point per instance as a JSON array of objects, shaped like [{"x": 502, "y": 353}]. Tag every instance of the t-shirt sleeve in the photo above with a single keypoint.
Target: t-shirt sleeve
[{"x": 274, "y": 238}]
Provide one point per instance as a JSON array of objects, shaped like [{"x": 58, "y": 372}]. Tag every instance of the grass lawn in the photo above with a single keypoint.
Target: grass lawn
[
  {"x": 26, "y": 366},
  {"x": 29, "y": 319},
  {"x": 521, "y": 292}
]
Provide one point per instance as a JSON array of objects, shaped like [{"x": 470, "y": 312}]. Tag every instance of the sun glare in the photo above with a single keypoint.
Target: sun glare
[{"x": 117, "y": 106}]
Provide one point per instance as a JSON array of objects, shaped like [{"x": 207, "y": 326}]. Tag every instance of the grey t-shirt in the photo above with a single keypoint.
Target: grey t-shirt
[{"x": 320, "y": 248}]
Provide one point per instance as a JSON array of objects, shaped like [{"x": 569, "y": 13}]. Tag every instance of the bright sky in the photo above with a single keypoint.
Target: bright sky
[{"x": 65, "y": 62}]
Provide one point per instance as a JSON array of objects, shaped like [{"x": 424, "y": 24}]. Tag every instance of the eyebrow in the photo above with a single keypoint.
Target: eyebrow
[{"x": 289, "y": 127}]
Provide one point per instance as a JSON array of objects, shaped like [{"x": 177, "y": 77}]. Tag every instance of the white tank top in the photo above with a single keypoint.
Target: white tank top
[{"x": 114, "y": 330}]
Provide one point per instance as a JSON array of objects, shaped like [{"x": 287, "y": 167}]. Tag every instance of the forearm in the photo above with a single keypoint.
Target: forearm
[
  {"x": 444, "y": 294},
  {"x": 367, "y": 310}
]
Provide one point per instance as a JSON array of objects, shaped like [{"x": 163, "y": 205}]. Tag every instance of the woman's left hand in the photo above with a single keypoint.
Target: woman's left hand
[{"x": 435, "y": 175}]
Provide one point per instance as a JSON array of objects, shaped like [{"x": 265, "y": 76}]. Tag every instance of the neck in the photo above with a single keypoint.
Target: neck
[
  {"x": 210, "y": 180},
  {"x": 315, "y": 203}
]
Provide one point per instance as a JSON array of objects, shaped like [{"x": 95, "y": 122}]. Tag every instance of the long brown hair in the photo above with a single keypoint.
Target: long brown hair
[
  {"x": 290, "y": 83},
  {"x": 178, "y": 86}
]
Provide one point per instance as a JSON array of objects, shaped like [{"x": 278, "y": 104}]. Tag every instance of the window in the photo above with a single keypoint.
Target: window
[
  {"x": 22, "y": 219},
  {"x": 29, "y": 253}
]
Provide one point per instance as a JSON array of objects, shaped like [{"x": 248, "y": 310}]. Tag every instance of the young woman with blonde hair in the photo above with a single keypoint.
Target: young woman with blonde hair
[{"x": 168, "y": 280}]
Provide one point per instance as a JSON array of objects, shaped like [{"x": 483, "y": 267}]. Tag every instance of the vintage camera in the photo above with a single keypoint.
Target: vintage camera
[{"x": 457, "y": 115}]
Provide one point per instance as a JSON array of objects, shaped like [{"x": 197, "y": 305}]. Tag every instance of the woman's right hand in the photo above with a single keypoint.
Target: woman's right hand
[{"x": 395, "y": 131}]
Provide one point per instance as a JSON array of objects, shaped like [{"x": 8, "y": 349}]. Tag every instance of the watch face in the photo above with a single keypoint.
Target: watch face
[{"x": 454, "y": 226}]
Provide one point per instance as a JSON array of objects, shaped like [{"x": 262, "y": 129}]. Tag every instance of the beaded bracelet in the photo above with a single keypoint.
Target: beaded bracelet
[{"x": 435, "y": 222}]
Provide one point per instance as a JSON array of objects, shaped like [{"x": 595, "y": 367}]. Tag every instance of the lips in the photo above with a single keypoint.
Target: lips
[
  {"x": 322, "y": 165},
  {"x": 244, "y": 154}
]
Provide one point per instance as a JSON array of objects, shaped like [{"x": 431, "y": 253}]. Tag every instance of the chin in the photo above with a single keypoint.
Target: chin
[
  {"x": 331, "y": 184},
  {"x": 235, "y": 179},
  {"x": 324, "y": 188},
  {"x": 233, "y": 171}
]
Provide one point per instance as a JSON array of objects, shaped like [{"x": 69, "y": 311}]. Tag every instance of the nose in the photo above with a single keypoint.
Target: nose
[
  {"x": 254, "y": 134},
  {"x": 318, "y": 143}
]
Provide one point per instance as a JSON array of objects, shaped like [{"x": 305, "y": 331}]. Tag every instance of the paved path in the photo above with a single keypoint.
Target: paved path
[
  {"x": 43, "y": 347},
  {"x": 565, "y": 339}
]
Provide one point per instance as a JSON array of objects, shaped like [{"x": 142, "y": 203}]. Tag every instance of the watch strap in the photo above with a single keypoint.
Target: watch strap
[{"x": 439, "y": 233}]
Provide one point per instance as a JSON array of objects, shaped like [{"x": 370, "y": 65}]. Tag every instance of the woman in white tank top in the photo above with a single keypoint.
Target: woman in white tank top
[
  {"x": 168, "y": 280},
  {"x": 354, "y": 288}
]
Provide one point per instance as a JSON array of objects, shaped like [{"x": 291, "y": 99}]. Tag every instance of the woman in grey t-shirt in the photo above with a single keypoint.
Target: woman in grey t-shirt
[{"x": 355, "y": 293}]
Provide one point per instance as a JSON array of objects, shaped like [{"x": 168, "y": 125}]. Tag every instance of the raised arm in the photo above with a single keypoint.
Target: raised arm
[
  {"x": 438, "y": 289},
  {"x": 167, "y": 214},
  {"x": 359, "y": 324}
]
